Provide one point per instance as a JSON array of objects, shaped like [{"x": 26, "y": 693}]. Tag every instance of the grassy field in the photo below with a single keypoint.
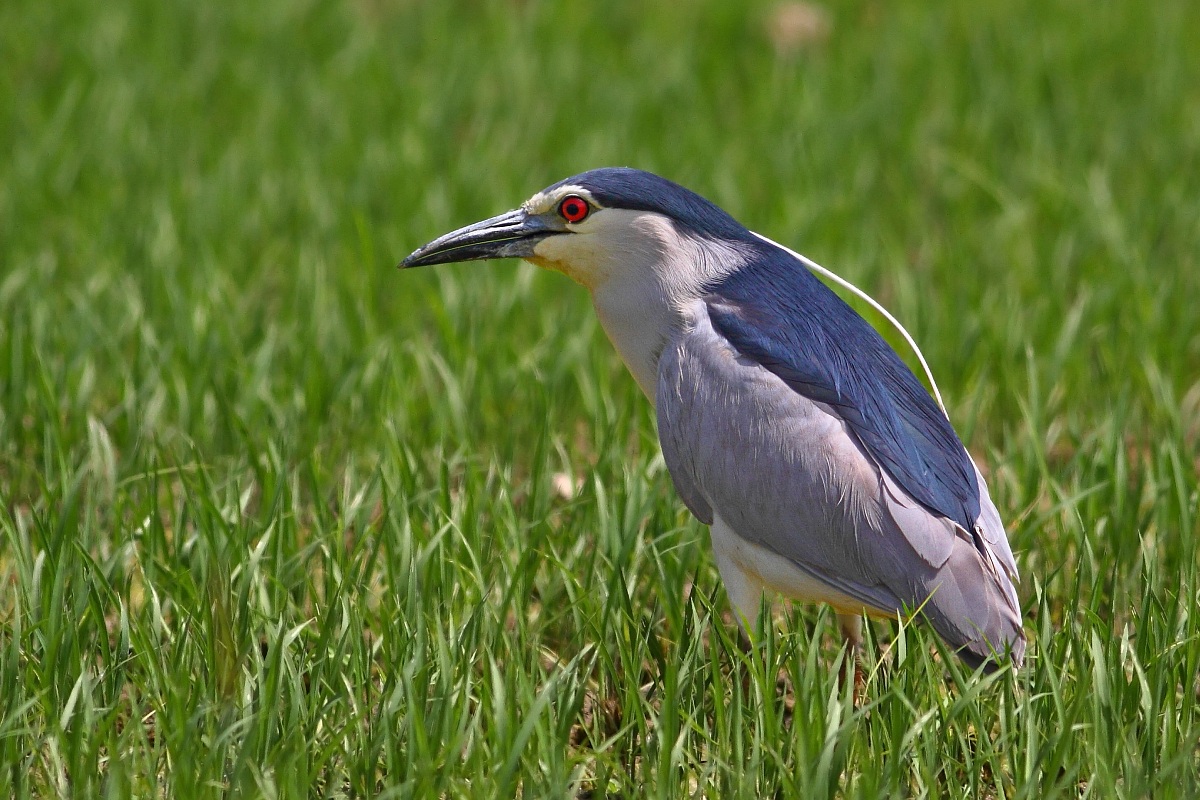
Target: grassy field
[{"x": 279, "y": 520}]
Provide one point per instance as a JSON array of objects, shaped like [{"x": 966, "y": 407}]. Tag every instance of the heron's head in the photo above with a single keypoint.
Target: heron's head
[{"x": 604, "y": 225}]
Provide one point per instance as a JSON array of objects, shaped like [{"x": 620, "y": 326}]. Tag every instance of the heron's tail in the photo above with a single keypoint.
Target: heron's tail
[{"x": 972, "y": 604}]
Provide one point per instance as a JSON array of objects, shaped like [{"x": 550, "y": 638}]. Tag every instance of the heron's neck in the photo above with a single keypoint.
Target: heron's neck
[
  {"x": 639, "y": 321},
  {"x": 643, "y": 271},
  {"x": 643, "y": 306}
]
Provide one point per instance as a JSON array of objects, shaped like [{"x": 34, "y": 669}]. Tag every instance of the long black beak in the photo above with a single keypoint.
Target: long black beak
[{"x": 510, "y": 235}]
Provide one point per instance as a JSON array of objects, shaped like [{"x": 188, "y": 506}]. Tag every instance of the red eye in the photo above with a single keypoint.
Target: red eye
[{"x": 574, "y": 208}]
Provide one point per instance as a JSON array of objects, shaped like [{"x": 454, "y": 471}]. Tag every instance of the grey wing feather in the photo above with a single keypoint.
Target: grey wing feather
[
  {"x": 991, "y": 528},
  {"x": 784, "y": 472}
]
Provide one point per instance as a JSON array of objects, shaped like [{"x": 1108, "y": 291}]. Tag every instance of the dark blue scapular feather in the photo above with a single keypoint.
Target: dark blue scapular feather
[{"x": 776, "y": 312}]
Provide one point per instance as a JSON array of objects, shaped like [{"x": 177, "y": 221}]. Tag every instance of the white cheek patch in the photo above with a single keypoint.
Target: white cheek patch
[
  {"x": 609, "y": 244},
  {"x": 642, "y": 249},
  {"x": 568, "y": 253}
]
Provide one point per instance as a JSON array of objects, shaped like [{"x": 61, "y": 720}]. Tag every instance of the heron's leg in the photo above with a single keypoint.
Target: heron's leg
[
  {"x": 744, "y": 589},
  {"x": 851, "y": 627},
  {"x": 745, "y": 595}
]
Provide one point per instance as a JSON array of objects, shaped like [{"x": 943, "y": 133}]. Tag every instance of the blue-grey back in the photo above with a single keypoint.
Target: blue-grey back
[{"x": 778, "y": 313}]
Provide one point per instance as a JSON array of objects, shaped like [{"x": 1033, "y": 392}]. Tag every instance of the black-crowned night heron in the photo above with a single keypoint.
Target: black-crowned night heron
[{"x": 826, "y": 470}]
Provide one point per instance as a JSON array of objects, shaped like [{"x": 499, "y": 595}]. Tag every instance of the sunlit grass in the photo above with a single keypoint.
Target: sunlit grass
[{"x": 278, "y": 520}]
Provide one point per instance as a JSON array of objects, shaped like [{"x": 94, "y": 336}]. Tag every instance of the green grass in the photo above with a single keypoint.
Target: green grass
[{"x": 279, "y": 520}]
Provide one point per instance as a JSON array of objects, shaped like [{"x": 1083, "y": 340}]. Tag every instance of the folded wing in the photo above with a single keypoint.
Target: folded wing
[{"x": 815, "y": 441}]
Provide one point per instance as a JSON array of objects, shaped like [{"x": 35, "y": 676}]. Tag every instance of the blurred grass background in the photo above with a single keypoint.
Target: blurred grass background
[{"x": 278, "y": 520}]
